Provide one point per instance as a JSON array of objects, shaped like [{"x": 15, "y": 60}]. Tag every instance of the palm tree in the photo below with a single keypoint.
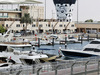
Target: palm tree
[{"x": 26, "y": 19}]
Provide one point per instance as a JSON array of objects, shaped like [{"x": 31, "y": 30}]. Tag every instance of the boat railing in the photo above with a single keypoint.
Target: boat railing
[{"x": 82, "y": 65}]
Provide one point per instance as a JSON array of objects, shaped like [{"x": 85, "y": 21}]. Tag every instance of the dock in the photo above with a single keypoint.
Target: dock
[{"x": 82, "y": 66}]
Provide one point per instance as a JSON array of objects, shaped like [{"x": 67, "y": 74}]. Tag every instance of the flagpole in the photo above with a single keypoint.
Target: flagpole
[{"x": 77, "y": 11}]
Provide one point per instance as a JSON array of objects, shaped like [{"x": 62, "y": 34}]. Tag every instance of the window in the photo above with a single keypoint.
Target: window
[
  {"x": 40, "y": 25},
  {"x": 70, "y": 20},
  {"x": 16, "y": 16},
  {"x": 52, "y": 25},
  {"x": 66, "y": 14},
  {"x": 18, "y": 25},
  {"x": 6, "y": 25},
  {"x": 64, "y": 25},
  {"x": 70, "y": 10},
  {"x": 69, "y": 15},
  {"x": 2, "y": 25},
  {"x": 92, "y": 49},
  {"x": 62, "y": 11},
  {"x": 95, "y": 42},
  {"x": 33, "y": 25},
  {"x": 5, "y": 14},
  {"x": 67, "y": 20},
  {"x": 23, "y": 25},
  {"x": 48, "y": 25},
  {"x": 72, "y": 25},
  {"x": 57, "y": 5},
  {"x": 60, "y": 20},
  {"x": 0, "y": 14},
  {"x": 65, "y": 4},
  {"x": 4, "y": 65},
  {"x": 60, "y": 25}
]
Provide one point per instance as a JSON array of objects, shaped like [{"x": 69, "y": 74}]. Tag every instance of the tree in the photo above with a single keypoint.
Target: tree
[
  {"x": 26, "y": 19},
  {"x": 2, "y": 29},
  {"x": 89, "y": 20}
]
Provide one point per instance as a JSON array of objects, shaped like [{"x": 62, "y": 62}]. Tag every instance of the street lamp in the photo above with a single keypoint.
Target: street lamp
[
  {"x": 77, "y": 11},
  {"x": 45, "y": 9}
]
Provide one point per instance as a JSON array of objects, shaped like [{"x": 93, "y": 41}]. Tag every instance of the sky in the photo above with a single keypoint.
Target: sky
[{"x": 88, "y": 9}]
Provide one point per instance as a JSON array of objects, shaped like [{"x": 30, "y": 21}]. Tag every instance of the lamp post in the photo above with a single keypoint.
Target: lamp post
[
  {"x": 45, "y": 9},
  {"x": 77, "y": 11}
]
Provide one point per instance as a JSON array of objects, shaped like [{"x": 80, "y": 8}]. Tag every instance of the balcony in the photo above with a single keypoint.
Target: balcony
[
  {"x": 3, "y": 16},
  {"x": 9, "y": 19},
  {"x": 10, "y": 10}
]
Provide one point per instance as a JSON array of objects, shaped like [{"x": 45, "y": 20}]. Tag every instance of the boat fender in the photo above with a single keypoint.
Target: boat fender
[{"x": 59, "y": 51}]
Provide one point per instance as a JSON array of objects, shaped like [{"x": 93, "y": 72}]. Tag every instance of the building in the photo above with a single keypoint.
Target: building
[
  {"x": 64, "y": 9},
  {"x": 88, "y": 27},
  {"x": 10, "y": 18}
]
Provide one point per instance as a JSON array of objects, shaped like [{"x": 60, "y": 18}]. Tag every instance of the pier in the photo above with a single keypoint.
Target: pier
[{"x": 82, "y": 66}]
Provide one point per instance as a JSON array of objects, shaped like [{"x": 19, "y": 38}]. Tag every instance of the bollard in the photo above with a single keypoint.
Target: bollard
[
  {"x": 19, "y": 72},
  {"x": 78, "y": 37},
  {"x": 86, "y": 67},
  {"x": 53, "y": 41},
  {"x": 65, "y": 46},
  {"x": 81, "y": 39},
  {"x": 38, "y": 70},
  {"x": 72, "y": 68},
  {"x": 88, "y": 37},
  {"x": 56, "y": 73},
  {"x": 38, "y": 42},
  {"x": 98, "y": 66},
  {"x": 97, "y": 35},
  {"x": 33, "y": 68},
  {"x": 65, "y": 39}
]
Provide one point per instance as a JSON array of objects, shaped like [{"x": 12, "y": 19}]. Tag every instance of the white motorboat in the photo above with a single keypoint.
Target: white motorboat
[
  {"x": 25, "y": 58},
  {"x": 92, "y": 49},
  {"x": 42, "y": 42},
  {"x": 9, "y": 67},
  {"x": 20, "y": 56},
  {"x": 21, "y": 46},
  {"x": 73, "y": 39}
]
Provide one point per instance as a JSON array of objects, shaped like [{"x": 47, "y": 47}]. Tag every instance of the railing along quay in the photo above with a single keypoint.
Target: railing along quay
[{"x": 82, "y": 66}]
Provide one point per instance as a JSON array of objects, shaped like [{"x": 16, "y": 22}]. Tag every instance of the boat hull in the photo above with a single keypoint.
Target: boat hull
[{"x": 76, "y": 54}]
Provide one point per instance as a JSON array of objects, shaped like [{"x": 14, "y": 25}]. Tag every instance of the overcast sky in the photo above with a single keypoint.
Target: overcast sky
[{"x": 88, "y": 9}]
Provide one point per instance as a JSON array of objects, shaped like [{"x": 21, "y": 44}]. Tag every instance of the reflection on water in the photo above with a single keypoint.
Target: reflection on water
[{"x": 76, "y": 46}]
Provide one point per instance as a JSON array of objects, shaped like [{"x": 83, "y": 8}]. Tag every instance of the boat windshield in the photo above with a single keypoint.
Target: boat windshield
[
  {"x": 4, "y": 65},
  {"x": 95, "y": 42},
  {"x": 23, "y": 48},
  {"x": 92, "y": 49}
]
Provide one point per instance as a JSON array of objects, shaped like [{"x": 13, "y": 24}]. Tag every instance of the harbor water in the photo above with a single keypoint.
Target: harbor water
[{"x": 54, "y": 49}]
